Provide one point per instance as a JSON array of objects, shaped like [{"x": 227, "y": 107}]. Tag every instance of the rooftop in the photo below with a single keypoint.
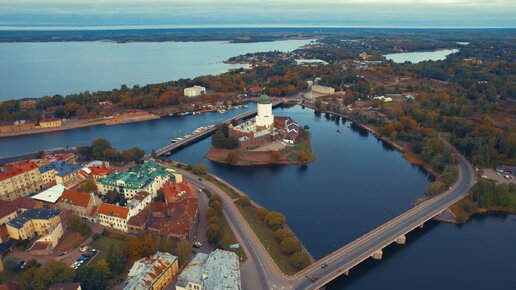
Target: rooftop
[
  {"x": 17, "y": 168},
  {"x": 264, "y": 99},
  {"x": 32, "y": 214},
  {"x": 145, "y": 271},
  {"x": 7, "y": 208},
  {"x": 50, "y": 195},
  {"x": 220, "y": 270},
  {"x": 62, "y": 167},
  {"x": 114, "y": 210},
  {"x": 75, "y": 198},
  {"x": 139, "y": 179}
]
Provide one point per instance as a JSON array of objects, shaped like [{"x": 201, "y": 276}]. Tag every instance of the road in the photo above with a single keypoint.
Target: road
[{"x": 270, "y": 277}]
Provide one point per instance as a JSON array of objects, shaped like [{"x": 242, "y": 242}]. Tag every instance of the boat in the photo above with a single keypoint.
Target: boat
[
  {"x": 171, "y": 114},
  {"x": 222, "y": 111},
  {"x": 184, "y": 113}
]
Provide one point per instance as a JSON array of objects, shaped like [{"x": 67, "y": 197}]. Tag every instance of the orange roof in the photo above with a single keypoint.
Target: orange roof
[
  {"x": 24, "y": 202},
  {"x": 75, "y": 198},
  {"x": 114, "y": 210},
  {"x": 174, "y": 192},
  {"x": 7, "y": 208},
  {"x": 101, "y": 170},
  {"x": 17, "y": 168}
]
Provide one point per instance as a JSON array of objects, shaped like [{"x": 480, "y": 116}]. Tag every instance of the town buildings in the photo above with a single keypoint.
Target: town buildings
[
  {"x": 82, "y": 204},
  {"x": 34, "y": 221},
  {"x": 50, "y": 123},
  {"x": 20, "y": 125},
  {"x": 149, "y": 178},
  {"x": 194, "y": 91},
  {"x": 19, "y": 179},
  {"x": 117, "y": 217},
  {"x": 219, "y": 270},
  {"x": 318, "y": 89},
  {"x": 61, "y": 172},
  {"x": 155, "y": 272}
]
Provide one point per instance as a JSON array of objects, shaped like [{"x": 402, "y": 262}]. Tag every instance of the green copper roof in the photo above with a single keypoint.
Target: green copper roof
[
  {"x": 139, "y": 179},
  {"x": 264, "y": 99}
]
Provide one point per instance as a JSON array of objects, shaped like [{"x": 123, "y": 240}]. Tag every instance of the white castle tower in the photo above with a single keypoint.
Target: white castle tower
[{"x": 265, "y": 118}]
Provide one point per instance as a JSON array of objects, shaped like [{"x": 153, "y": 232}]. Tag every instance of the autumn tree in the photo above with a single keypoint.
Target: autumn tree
[
  {"x": 274, "y": 220},
  {"x": 183, "y": 251}
]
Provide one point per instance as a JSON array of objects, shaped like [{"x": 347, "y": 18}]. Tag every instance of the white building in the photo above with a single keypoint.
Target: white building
[
  {"x": 220, "y": 270},
  {"x": 116, "y": 217},
  {"x": 323, "y": 90},
  {"x": 194, "y": 91},
  {"x": 265, "y": 118}
]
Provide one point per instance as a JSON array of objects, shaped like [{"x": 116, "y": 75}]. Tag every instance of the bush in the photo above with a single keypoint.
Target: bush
[
  {"x": 261, "y": 213},
  {"x": 213, "y": 234}
]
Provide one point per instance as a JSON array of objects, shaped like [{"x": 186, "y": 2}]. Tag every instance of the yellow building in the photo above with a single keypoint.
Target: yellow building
[
  {"x": 155, "y": 272},
  {"x": 32, "y": 222},
  {"x": 8, "y": 211},
  {"x": 323, "y": 90},
  {"x": 20, "y": 179},
  {"x": 50, "y": 123}
]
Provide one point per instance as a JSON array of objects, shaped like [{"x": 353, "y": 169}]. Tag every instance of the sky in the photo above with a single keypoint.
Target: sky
[{"x": 257, "y": 13}]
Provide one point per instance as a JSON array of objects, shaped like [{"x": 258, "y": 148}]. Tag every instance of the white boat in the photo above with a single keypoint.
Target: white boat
[
  {"x": 222, "y": 111},
  {"x": 185, "y": 113}
]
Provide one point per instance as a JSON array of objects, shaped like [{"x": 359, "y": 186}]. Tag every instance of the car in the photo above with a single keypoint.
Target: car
[
  {"x": 197, "y": 244},
  {"x": 87, "y": 255},
  {"x": 23, "y": 264},
  {"x": 62, "y": 254},
  {"x": 314, "y": 278},
  {"x": 200, "y": 179},
  {"x": 324, "y": 265},
  {"x": 83, "y": 248}
]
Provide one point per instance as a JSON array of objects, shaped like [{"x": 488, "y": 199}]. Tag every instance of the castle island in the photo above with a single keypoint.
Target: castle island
[{"x": 265, "y": 139}]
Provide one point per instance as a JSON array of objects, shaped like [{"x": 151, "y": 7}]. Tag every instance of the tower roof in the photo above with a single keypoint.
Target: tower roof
[{"x": 264, "y": 99}]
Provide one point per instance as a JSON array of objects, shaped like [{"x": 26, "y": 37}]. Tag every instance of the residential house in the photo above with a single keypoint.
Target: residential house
[
  {"x": 19, "y": 179},
  {"x": 82, "y": 204},
  {"x": 61, "y": 172},
  {"x": 155, "y": 272},
  {"x": 36, "y": 221},
  {"x": 219, "y": 270}
]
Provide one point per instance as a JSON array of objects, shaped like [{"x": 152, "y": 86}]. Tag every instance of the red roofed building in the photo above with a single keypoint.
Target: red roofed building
[
  {"x": 79, "y": 203},
  {"x": 180, "y": 218},
  {"x": 101, "y": 171},
  {"x": 8, "y": 211},
  {"x": 114, "y": 216},
  {"x": 19, "y": 179}
]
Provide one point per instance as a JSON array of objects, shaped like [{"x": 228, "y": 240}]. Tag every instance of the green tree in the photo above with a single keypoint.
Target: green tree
[
  {"x": 290, "y": 245},
  {"x": 282, "y": 234},
  {"x": 116, "y": 258},
  {"x": 218, "y": 140},
  {"x": 274, "y": 220},
  {"x": 89, "y": 186},
  {"x": 244, "y": 200},
  {"x": 200, "y": 169},
  {"x": 231, "y": 143},
  {"x": 300, "y": 260},
  {"x": 98, "y": 146},
  {"x": 183, "y": 251},
  {"x": 213, "y": 234},
  {"x": 435, "y": 187}
]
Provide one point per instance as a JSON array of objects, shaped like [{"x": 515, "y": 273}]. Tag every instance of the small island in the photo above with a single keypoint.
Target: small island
[{"x": 265, "y": 139}]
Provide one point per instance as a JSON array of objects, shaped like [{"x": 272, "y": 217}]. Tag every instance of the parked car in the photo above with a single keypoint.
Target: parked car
[
  {"x": 23, "y": 264},
  {"x": 62, "y": 254},
  {"x": 197, "y": 244}
]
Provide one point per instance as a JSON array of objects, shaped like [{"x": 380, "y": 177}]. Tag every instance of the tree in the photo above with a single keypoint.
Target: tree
[
  {"x": 231, "y": 143},
  {"x": 218, "y": 140},
  {"x": 213, "y": 234},
  {"x": 116, "y": 258},
  {"x": 75, "y": 224},
  {"x": 98, "y": 146},
  {"x": 300, "y": 260},
  {"x": 200, "y": 169},
  {"x": 435, "y": 187},
  {"x": 217, "y": 206},
  {"x": 92, "y": 277},
  {"x": 112, "y": 196},
  {"x": 282, "y": 234},
  {"x": 183, "y": 251},
  {"x": 261, "y": 213},
  {"x": 274, "y": 220},
  {"x": 290, "y": 246},
  {"x": 244, "y": 200},
  {"x": 89, "y": 186}
]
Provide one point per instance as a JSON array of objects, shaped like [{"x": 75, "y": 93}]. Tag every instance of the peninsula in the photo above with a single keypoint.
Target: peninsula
[{"x": 265, "y": 139}]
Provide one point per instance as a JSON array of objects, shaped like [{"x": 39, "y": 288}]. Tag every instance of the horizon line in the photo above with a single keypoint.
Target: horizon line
[{"x": 141, "y": 27}]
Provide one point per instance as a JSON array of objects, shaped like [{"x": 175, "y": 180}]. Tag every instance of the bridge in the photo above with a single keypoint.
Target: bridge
[
  {"x": 166, "y": 150},
  {"x": 372, "y": 243}
]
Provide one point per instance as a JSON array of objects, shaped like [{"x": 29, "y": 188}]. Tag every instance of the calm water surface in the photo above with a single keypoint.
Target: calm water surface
[
  {"x": 415, "y": 57},
  {"x": 35, "y": 69}
]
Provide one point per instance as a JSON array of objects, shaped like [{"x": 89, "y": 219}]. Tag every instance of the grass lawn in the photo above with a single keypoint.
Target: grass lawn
[
  {"x": 230, "y": 191},
  {"x": 103, "y": 244},
  {"x": 266, "y": 236},
  {"x": 512, "y": 197}
]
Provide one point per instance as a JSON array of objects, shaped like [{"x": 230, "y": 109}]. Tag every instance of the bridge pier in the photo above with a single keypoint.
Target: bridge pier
[
  {"x": 401, "y": 240},
  {"x": 377, "y": 255}
]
